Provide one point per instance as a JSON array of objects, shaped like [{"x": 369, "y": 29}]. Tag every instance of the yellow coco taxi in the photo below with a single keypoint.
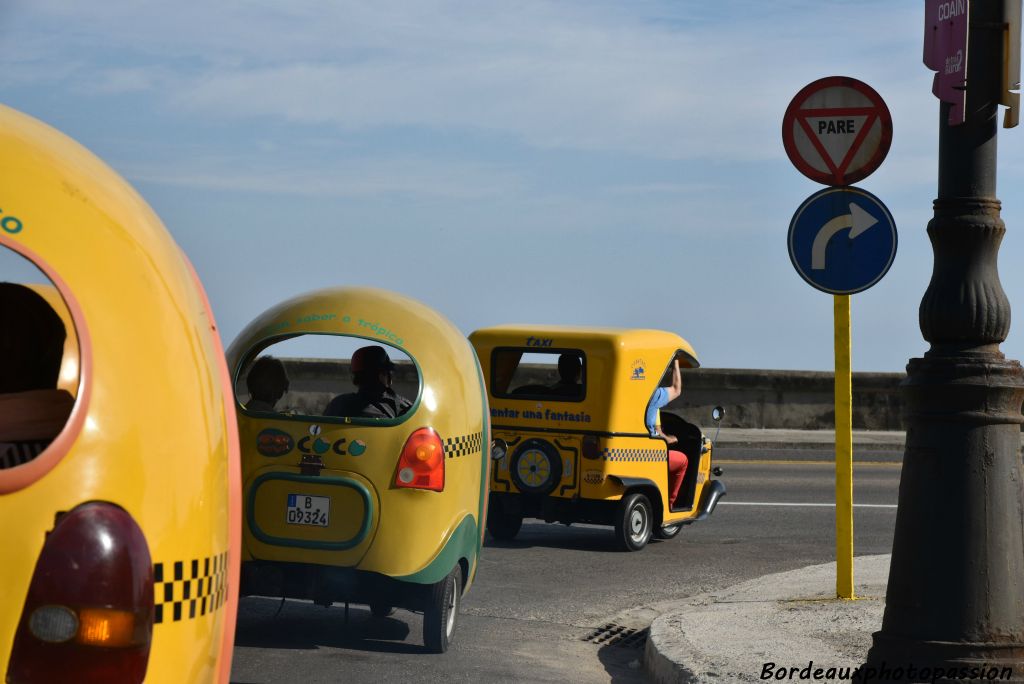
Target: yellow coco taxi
[
  {"x": 119, "y": 467},
  {"x": 365, "y": 451},
  {"x": 571, "y": 404}
]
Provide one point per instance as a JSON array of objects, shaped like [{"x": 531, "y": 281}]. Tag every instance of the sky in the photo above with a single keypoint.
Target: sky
[{"x": 581, "y": 162}]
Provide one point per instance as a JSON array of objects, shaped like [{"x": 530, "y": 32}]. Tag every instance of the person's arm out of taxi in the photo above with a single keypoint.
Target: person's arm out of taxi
[
  {"x": 677, "y": 381},
  {"x": 673, "y": 392}
]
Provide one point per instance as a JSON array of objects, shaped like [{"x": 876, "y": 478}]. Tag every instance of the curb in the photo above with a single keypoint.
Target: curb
[
  {"x": 658, "y": 668},
  {"x": 786, "y": 616}
]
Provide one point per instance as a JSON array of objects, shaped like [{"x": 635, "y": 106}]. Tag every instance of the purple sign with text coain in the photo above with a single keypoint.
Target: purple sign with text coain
[{"x": 945, "y": 52}]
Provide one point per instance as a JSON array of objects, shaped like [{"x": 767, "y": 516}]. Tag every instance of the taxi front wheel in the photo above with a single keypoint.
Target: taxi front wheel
[
  {"x": 441, "y": 612},
  {"x": 634, "y": 523}
]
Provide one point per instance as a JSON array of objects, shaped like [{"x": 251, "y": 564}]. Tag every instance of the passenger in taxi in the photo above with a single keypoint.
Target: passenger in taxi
[
  {"x": 570, "y": 372},
  {"x": 372, "y": 373},
  {"x": 677, "y": 460},
  {"x": 32, "y": 410},
  {"x": 267, "y": 382}
]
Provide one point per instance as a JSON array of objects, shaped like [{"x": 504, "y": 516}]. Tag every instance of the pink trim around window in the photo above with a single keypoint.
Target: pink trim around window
[{"x": 19, "y": 477}]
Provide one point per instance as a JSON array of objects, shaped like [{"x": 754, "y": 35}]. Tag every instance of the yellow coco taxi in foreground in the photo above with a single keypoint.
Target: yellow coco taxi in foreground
[
  {"x": 365, "y": 449},
  {"x": 119, "y": 471},
  {"x": 572, "y": 406}
]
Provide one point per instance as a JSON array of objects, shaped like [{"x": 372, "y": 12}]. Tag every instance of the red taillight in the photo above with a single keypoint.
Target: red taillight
[
  {"x": 421, "y": 465},
  {"x": 88, "y": 616}
]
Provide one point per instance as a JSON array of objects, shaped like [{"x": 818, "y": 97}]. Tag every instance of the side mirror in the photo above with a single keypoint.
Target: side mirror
[
  {"x": 499, "y": 448},
  {"x": 717, "y": 414}
]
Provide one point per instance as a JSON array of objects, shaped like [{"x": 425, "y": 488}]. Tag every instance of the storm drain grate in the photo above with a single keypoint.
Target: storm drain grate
[{"x": 617, "y": 635}]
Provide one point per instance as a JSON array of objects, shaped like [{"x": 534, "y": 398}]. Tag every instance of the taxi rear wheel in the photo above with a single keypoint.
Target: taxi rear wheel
[
  {"x": 634, "y": 524},
  {"x": 441, "y": 613},
  {"x": 668, "y": 531},
  {"x": 501, "y": 523}
]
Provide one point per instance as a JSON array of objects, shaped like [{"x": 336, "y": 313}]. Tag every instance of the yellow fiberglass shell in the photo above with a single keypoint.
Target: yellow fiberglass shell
[
  {"x": 623, "y": 368},
  {"x": 417, "y": 536},
  {"x": 153, "y": 427}
]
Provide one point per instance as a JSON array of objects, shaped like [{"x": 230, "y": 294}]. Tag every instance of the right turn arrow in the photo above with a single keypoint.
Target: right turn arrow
[{"x": 857, "y": 221}]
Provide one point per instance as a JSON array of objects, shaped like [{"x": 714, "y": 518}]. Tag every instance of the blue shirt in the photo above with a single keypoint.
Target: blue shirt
[{"x": 658, "y": 399}]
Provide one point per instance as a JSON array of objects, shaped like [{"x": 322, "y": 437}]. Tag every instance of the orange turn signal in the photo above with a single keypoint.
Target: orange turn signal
[{"x": 106, "y": 627}]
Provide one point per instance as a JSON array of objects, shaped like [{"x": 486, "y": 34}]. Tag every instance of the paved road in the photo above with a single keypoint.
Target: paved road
[{"x": 537, "y": 599}]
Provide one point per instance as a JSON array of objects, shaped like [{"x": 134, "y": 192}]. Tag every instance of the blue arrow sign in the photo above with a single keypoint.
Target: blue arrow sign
[{"x": 842, "y": 240}]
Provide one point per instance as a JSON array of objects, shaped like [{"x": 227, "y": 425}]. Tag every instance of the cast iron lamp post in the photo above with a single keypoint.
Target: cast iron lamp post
[{"x": 955, "y": 596}]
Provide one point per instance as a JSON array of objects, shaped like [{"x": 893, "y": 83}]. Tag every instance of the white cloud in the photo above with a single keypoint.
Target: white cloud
[
  {"x": 356, "y": 178},
  {"x": 581, "y": 76},
  {"x": 129, "y": 80},
  {"x": 500, "y": 130}
]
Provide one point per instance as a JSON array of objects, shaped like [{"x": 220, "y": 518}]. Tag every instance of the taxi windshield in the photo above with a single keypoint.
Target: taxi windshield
[{"x": 328, "y": 376}]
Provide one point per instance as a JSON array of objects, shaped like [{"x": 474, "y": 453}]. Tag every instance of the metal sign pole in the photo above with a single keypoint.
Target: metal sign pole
[
  {"x": 844, "y": 450},
  {"x": 842, "y": 240}
]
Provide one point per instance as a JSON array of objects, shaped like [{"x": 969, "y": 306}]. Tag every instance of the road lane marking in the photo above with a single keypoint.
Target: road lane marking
[{"x": 776, "y": 503}]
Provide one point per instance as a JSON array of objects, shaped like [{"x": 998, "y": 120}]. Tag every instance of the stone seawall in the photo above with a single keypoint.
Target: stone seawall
[
  {"x": 773, "y": 399},
  {"x": 798, "y": 400}
]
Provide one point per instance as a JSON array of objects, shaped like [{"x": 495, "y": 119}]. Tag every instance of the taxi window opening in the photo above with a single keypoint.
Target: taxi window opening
[
  {"x": 556, "y": 374},
  {"x": 328, "y": 376},
  {"x": 38, "y": 361}
]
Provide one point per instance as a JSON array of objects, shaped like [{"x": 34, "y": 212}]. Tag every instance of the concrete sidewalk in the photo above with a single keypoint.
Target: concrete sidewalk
[{"x": 788, "y": 620}]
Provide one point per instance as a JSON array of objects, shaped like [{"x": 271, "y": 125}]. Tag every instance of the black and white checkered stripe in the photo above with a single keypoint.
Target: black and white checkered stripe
[
  {"x": 184, "y": 590},
  {"x": 464, "y": 445},
  {"x": 646, "y": 455}
]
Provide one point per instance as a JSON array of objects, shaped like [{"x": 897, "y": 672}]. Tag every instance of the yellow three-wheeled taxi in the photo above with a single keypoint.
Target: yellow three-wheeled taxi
[
  {"x": 572, "y": 404},
  {"x": 119, "y": 472},
  {"x": 365, "y": 449}
]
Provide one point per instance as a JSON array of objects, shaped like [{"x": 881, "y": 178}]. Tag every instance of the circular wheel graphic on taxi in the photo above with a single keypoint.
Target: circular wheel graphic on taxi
[{"x": 536, "y": 467}]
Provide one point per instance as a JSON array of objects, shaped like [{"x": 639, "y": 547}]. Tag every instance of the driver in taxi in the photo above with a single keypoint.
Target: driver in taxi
[{"x": 372, "y": 373}]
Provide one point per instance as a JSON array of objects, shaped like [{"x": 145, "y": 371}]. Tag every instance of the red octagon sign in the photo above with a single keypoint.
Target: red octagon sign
[{"x": 837, "y": 130}]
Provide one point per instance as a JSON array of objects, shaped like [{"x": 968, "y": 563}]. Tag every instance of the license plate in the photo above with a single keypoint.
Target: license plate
[{"x": 308, "y": 510}]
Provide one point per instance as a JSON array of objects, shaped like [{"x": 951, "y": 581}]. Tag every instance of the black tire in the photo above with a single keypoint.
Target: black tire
[
  {"x": 381, "y": 610},
  {"x": 634, "y": 522},
  {"x": 668, "y": 532},
  {"x": 535, "y": 467},
  {"x": 442, "y": 611},
  {"x": 501, "y": 523}
]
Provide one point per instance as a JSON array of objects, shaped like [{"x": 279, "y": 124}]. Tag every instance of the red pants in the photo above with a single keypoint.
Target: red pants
[{"x": 677, "y": 463}]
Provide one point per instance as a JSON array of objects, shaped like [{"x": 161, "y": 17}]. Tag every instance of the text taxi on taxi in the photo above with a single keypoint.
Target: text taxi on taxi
[
  {"x": 119, "y": 471},
  {"x": 576, "y": 408},
  {"x": 365, "y": 450}
]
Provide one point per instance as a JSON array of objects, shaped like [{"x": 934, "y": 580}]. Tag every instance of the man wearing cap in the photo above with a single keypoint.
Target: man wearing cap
[{"x": 372, "y": 373}]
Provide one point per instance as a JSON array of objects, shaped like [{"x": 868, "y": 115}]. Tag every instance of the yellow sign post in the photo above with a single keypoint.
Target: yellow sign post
[
  {"x": 842, "y": 240},
  {"x": 844, "y": 450}
]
